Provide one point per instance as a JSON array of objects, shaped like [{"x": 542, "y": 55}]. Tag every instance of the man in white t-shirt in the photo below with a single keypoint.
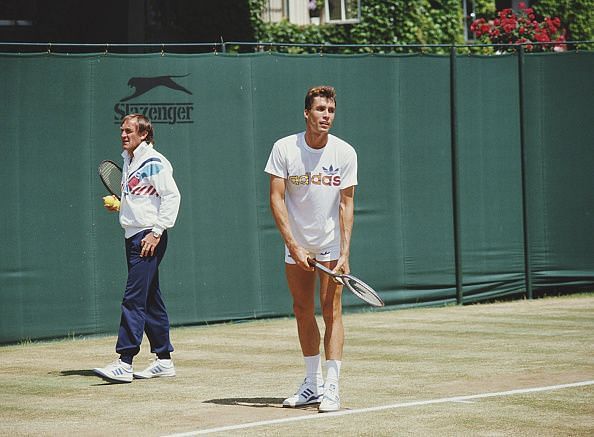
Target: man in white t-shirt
[{"x": 312, "y": 185}]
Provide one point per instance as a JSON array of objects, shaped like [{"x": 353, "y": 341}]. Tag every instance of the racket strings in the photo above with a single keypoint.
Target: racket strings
[
  {"x": 364, "y": 291},
  {"x": 358, "y": 287},
  {"x": 111, "y": 176}
]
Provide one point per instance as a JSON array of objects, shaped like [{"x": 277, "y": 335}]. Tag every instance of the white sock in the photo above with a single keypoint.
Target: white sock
[
  {"x": 313, "y": 369},
  {"x": 333, "y": 370}
]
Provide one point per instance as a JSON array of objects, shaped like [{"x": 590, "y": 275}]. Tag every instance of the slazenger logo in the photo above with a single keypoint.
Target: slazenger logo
[
  {"x": 330, "y": 178},
  {"x": 169, "y": 112}
]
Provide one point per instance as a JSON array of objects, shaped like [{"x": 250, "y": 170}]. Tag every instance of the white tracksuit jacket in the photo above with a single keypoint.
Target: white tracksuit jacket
[{"x": 150, "y": 197}]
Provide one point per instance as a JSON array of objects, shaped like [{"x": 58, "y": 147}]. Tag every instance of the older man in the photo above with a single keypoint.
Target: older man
[{"x": 149, "y": 206}]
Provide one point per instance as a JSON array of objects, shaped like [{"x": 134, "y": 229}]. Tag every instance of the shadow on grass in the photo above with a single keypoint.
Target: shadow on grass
[
  {"x": 250, "y": 402},
  {"x": 87, "y": 372},
  {"x": 81, "y": 372}
]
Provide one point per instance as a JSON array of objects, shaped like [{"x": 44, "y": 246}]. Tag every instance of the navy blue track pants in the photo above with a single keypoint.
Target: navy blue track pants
[{"x": 143, "y": 309}]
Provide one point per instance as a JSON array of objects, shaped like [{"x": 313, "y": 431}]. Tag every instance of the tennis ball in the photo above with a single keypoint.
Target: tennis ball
[{"x": 111, "y": 201}]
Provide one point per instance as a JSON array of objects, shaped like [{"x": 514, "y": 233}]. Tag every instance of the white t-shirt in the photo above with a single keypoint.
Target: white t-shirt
[{"x": 314, "y": 178}]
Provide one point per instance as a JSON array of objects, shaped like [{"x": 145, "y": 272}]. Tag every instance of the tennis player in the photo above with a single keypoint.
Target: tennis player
[
  {"x": 149, "y": 206},
  {"x": 312, "y": 185}
]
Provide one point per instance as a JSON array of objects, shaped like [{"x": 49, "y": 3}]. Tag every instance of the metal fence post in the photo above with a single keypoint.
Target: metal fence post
[
  {"x": 524, "y": 160},
  {"x": 455, "y": 178}
]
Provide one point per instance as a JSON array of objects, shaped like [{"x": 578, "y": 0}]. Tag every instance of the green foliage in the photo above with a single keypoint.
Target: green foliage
[
  {"x": 577, "y": 16},
  {"x": 405, "y": 23},
  {"x": 382, "y": 22},
  {"x": 447, "y": 22},
  {"x": 286, "y": 32},
  {"x": 484, "y": 8},
  {"x": 256, "y": 8}
]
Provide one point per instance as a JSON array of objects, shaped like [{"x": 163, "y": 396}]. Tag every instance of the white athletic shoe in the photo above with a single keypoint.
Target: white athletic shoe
[
  {"x": 156, "y": 369},
  {"x": 308, "y": 393},
  {"x": 117, "y": 371},
  {"x": 330, "y": 400}
]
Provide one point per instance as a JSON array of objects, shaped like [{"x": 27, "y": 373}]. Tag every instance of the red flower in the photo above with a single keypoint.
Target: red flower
[
  {"x": 542, "y": 37},
  {"x": 509, "y": 27},
  {"x": 521, "y": 28}
]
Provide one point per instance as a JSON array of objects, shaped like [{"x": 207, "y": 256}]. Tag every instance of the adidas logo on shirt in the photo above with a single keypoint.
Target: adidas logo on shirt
[{"x": 331, "y": 180}]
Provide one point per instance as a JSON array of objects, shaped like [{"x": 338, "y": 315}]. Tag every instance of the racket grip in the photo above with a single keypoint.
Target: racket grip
[{"x": 338, "y": 280}]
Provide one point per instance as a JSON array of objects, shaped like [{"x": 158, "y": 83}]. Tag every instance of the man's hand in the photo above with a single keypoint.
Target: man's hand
[
  {"x": 342, "y": 266},
  {"x": 149, "y": 243},
  {"x": 300, "y": 256}
]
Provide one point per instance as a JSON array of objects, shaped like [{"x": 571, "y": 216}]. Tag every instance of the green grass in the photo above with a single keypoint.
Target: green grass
[{"x": 238, "y": 373}]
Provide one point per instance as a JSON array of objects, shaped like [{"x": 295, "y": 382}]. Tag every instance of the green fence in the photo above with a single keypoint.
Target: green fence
[{"x": 463, "y": 197}]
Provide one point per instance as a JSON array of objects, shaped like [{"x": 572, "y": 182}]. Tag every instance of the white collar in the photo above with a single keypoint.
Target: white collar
[{"x": 139, "y": 151}]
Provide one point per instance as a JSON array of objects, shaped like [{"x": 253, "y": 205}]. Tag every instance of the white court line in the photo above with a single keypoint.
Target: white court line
[{"x": 382, "y": 408}]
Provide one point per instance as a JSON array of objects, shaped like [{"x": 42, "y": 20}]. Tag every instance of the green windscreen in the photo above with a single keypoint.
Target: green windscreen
[{"x": 62, "y": 263}]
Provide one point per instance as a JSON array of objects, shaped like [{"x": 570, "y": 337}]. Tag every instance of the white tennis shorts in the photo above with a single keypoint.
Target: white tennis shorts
[{"x": 327, "y": 254}]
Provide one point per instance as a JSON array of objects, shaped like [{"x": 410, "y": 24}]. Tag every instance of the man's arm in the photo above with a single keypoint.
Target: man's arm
[
  {"x": 170, "y": 200},
  {"x": 168, "y": 210},
  {"x": 281, "y": 217},
  {"x": 346, "y": 218}
]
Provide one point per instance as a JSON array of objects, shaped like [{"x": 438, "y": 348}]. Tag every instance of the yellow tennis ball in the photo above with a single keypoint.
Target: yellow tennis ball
[{"x": 109, "y": 201}]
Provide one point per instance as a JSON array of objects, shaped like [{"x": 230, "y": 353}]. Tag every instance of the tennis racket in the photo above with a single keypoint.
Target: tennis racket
[
  {"x": 354, "y": 284},
  {"x": 111, "y": 176}
]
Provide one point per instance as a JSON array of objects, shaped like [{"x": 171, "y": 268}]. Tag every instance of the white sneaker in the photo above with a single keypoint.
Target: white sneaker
[
  {"x": 156, "y": 369},
  {"x": 330, "y": 400},
  {"x": 308, "y": 393},
  {"x": 117, "y": 371}
]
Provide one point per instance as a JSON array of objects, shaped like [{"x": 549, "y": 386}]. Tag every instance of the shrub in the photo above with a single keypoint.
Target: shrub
[{"x": 521, "y": 27}]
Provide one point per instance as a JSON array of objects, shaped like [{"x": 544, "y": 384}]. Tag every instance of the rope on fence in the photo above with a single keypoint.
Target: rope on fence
[{"x": 259, "y": 46}]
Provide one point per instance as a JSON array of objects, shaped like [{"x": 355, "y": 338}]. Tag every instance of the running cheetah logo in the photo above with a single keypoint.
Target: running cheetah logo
[{"x": 143, "y": 85}]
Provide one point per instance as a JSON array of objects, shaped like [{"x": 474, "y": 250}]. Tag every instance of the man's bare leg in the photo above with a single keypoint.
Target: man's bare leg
[
  {"x": 331, "y": 302},
  {"x": 302, "y": 286}
]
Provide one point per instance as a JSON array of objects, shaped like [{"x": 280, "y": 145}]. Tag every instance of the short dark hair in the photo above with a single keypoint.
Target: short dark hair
[
  {"x": 144, "y": 125},
  {"x": 319, "y": 91}
]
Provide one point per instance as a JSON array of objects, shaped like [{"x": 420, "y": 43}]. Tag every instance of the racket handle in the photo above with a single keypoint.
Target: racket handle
[
  {"x": 335, "y": 276},
  {"x": 317, "y": 265}
]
